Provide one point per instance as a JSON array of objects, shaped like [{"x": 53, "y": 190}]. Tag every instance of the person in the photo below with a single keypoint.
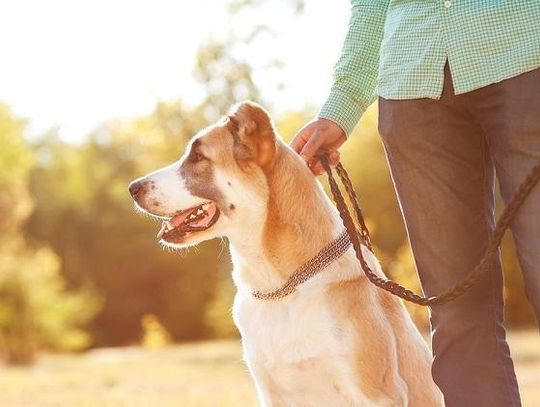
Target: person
[{"x": 458, "y": 83}]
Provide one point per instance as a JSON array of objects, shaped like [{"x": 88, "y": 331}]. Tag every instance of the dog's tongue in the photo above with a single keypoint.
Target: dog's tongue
[
  {"x": 201, "y": 221},
  {"x": 175, "y": 221}
]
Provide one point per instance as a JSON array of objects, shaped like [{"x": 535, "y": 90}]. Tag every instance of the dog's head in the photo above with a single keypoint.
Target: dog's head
[{"x": 218, "y": 182}]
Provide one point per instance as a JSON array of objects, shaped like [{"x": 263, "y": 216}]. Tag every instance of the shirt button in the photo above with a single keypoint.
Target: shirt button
[{"x": 447, "y": 4}]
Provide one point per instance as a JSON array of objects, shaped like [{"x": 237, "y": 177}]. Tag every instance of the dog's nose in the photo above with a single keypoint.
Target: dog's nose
[{"x": 135, "y": 187}]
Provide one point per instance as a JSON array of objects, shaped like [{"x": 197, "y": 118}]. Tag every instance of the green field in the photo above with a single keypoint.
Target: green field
[{"x": 201, "y": 374}]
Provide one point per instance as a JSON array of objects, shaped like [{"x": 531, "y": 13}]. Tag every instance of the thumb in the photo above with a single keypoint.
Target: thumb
[
  {"x": 311, "y": 147},
  {"x": 299, "y": 141}
]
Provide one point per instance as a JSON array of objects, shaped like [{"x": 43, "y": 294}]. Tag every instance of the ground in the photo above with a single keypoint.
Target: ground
[{"x": 201, "y": 374}]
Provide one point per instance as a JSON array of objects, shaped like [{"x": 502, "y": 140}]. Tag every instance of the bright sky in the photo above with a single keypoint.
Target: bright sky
[{"x": 73, "y": 64}]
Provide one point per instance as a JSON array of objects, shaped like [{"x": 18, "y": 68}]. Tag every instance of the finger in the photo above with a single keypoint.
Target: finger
[
  {"x": 317, "y": 168},
  {"x": 300, "y": 139},
  {"x": 312, "y": 146},
  {"x": 333, "y": 158}
]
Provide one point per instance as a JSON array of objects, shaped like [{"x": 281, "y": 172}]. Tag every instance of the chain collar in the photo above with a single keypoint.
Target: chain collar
[{"x": 312, "y": 267}]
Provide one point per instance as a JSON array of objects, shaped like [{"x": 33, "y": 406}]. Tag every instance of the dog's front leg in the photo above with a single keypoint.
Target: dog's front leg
[{"x": 267, "y": 391}]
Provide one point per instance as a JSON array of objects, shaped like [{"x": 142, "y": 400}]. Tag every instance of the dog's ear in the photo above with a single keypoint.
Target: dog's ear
[{"x": 254, "y": 134}]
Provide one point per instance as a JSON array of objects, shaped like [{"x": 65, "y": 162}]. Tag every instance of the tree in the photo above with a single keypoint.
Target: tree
[{"x": 36, "y": 312}]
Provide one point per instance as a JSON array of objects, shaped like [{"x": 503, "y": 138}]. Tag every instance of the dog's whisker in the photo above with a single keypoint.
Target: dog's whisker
[
  {"x": 222, "y": 246},
  {"x": 146, "y": 214}
]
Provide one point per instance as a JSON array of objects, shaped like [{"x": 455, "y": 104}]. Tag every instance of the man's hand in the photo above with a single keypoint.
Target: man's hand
[{"x": 317, "y": 137}]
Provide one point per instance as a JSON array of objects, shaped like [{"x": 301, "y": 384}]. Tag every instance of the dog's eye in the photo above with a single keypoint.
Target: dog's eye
[{"x": 198, "y": 156}]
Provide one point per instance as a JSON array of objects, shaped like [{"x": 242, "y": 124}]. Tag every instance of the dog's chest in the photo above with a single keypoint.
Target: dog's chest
[
  {"x": 287, "y": 331},
  {"x": 299, "y": 347}
]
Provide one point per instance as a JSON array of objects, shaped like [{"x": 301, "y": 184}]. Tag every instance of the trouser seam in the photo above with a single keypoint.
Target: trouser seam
[{"x": 485, "y": 194}]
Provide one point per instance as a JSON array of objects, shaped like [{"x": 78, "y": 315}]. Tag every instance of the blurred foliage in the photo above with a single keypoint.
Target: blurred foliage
[
  {"x": 84, "y": 212},
  {"x": 36, "y": 310},
  {"x": 68, "y": 223},
  {"x": 155, "y": 336},
  {"x": 16, "y": 159},
  {"x": 218, "y": 314},
  {"x": 225, "y": 78}
]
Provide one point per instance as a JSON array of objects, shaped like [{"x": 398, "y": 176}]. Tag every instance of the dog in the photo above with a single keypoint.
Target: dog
[{"x": 335, "y": 340}]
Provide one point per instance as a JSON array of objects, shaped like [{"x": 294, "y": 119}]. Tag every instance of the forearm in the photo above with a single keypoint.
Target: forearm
[{"x": 355, "y": 73}]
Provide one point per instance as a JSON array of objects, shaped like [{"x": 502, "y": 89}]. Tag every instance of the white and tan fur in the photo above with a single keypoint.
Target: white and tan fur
[{"x": 336, "y": 341}]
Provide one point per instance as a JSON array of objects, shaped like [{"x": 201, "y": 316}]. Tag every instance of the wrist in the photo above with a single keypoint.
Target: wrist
[{"x": 342, "y": 110}]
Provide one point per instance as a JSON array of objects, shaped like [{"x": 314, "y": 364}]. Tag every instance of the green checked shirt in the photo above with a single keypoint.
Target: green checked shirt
[{"x": 398, "y": 48}]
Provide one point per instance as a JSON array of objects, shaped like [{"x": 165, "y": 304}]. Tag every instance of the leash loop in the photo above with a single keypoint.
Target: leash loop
[{"x": 393, "y": 287}]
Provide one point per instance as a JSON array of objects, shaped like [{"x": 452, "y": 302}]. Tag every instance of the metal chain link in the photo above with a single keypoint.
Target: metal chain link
[{"x": 313, "y": 266}]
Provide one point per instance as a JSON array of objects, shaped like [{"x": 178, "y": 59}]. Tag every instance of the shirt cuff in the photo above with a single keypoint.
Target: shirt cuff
[{"x": 342, "y": 110}]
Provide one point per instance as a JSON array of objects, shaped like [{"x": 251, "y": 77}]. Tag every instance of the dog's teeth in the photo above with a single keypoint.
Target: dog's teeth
[{"x": 162, "y": 230}]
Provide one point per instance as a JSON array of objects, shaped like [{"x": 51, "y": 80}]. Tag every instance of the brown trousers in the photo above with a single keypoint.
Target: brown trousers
[{"x": 444, "y": 155}]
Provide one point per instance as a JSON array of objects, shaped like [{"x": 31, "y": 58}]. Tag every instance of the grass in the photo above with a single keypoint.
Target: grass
[{"x": 201, "y": 374}]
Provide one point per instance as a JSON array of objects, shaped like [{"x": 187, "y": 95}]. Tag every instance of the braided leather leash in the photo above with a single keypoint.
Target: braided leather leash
[{"x": 391, "y": 286}]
